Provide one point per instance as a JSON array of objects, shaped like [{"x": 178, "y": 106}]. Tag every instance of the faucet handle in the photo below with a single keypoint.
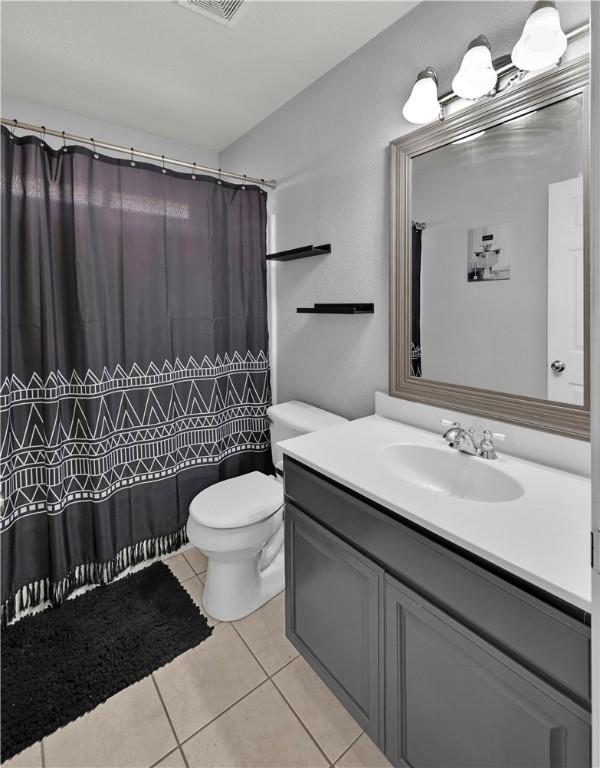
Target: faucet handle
[
  {"x": 487, "y": 449},
  {"x": 448, "y": 423},
  {"x": 487, "y": 434}
]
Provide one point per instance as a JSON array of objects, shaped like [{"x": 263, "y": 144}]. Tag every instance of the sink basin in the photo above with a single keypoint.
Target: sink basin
[{"x": 449, "y": 472}]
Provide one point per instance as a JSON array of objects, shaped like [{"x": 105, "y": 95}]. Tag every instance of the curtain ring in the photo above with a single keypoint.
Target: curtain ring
[
  {"x": 194, "y": 174},
  {"x": 164, "y": 170},
  {"x": 12, "y": 133},
  {"x": 64, "y": 148},
  {"x": 132, "y": 161},
  {"x": 42, "y": 135},
  {"x": 219, "y": 179},
  {"x": 244, "y": 184},
  {"x": 96, "y": 155}
]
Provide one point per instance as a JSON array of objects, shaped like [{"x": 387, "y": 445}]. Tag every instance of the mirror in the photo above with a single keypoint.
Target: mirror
[
  {"x": 497, "y": 256},
  {"x": 489, "y": 261}
]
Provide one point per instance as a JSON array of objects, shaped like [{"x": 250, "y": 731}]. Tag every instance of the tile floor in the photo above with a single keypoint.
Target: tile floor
[{"x": 242, "y": 698}]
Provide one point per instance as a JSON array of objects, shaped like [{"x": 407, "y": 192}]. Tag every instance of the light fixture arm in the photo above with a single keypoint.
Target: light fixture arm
[
  {"x": 477, "y": 41},
  {"x": 428, "y": 72}
]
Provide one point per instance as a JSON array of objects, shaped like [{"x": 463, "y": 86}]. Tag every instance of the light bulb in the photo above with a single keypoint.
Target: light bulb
[
  {"x": 542, "y": 42},
  {"x": 423, "y": 105},
  {"x": 476, "y": 76}
]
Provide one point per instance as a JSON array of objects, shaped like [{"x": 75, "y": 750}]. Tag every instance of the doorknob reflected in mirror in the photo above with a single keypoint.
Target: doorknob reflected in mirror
[{"x": 557, "y": 366}]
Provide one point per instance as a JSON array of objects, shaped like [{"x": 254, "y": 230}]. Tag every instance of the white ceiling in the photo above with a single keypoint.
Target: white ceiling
[{"x": 157, "y": 67}]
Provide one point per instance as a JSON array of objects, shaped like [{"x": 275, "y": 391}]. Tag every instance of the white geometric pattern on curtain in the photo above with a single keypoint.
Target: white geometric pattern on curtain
[{"x": 188, "y": 414}]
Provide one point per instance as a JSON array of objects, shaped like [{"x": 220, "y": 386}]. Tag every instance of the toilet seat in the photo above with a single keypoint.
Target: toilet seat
[{"x": 237, "y": 502}]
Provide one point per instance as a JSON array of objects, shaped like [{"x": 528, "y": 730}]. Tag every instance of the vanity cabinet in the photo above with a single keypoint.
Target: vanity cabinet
[
  {"x": 334, "y": 615},
  {"x": 441, "y": 661}
]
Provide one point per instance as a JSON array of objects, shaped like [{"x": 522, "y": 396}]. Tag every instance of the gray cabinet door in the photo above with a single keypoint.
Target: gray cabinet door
[
  {"x": 334, "y": 607},
  {"x": 453, "y": 700}
]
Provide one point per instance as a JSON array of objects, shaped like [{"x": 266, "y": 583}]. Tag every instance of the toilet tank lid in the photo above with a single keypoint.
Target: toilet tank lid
[{"x": 303, "y": 417}]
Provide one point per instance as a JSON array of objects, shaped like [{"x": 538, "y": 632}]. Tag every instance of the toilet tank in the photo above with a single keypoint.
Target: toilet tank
[{"x": 295, "y": 418}]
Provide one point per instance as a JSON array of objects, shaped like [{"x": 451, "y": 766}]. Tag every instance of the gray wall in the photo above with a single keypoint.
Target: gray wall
[
  {"x": 58, "y": 119},
  {"x": 492, "y": 334},
  {"x": 328, "y": 149}
]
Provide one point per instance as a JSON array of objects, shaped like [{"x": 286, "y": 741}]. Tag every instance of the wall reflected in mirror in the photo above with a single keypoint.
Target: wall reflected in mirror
[{"x": 497, "y": 262}]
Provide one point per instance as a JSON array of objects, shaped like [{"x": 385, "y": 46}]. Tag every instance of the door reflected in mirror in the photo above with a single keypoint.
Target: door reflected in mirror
[{"x": 497, "y": 270}]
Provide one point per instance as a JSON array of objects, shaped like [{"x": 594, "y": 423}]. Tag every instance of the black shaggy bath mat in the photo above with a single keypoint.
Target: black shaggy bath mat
[{"x": 63, "y": 662}]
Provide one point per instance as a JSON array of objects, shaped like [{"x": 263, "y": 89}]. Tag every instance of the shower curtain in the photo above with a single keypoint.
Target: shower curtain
[
  {"x": 134, "y": 359},
  {"x": 415, "y": 303}
]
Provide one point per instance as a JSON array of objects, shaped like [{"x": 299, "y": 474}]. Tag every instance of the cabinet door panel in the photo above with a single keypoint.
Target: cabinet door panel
[
  {"x": 334, "y": 614},
  {"x": 453, "y": 700}
]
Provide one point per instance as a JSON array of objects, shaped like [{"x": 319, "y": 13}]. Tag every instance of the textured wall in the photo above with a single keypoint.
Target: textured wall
[
  {"x": 328, "y": 148},
  {"x": 58, "y": 119}
]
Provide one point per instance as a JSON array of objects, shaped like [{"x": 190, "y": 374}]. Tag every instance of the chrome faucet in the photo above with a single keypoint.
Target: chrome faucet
[
  {"x": 451, "y": 434},
  {"x": 463, "y": 440}
]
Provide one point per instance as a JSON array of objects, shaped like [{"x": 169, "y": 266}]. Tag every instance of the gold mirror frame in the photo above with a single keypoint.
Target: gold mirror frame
[{"x": 550, "y": 416}]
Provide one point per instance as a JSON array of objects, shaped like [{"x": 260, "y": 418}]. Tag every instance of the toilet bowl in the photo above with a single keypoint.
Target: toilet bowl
[{"x": 238, "y": 524}]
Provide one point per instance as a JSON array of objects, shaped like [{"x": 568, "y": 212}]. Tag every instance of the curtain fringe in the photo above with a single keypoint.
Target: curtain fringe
[{"x": 54, "y": 593}]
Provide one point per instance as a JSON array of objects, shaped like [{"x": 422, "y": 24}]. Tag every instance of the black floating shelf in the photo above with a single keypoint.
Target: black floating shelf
[
  {"x": 300, "y": 253},
  {"x": 350, "y": 308}
]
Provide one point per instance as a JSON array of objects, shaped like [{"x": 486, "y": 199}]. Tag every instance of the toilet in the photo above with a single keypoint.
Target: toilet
[{"x": 238, "y": 523}]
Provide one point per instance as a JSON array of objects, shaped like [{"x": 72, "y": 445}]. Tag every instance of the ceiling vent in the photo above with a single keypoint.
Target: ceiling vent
[{"x": 222, "y": 11}]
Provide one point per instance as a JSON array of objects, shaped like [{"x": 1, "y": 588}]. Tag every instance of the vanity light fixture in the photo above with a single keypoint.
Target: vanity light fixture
[
  {"x": 423, "y": 105},
  {"x": 476, "y": 76},
  {"x": 542, "y": 42}
]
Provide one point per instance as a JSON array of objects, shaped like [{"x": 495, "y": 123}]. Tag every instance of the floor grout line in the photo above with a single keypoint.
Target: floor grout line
[
  {"x": 164, "y": 706},
  {"x": 216, "y": 717},
  {"x": 287, "y": 664},
  {"x": 272, "y": 674},
  {"x": 270, "y": 677},
  {"x": 191, "y": 565},
  {"x": 350, "y": 747},
  {"x": 254, "y": 656},
  {"x": 299, "y": 719},
  {"x": 43, "y": 753},
  {"x": 183, "y": 757},
  {"x": 160, "y": 759}
]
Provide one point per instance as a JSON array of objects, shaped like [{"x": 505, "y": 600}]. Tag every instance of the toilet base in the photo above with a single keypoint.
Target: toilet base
[{"x": 233, "y": 590}]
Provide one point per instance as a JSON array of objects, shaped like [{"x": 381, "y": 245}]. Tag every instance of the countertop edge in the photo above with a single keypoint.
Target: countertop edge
[{"x": 577, "y": 601}]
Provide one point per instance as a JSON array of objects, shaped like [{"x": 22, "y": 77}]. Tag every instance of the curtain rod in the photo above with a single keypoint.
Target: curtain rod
[
  {"x": 41, "y": 129},
  {"x": 508, "y": 68}
]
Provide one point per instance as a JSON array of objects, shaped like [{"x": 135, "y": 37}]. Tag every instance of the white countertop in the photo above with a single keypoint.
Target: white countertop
[{"x": 542, "y": 537}]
